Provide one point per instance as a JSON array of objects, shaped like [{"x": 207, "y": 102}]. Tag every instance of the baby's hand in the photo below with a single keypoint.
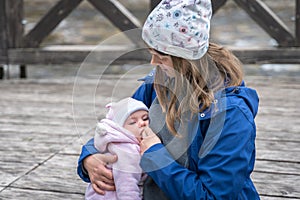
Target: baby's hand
[{"x": 149, "y": 138}]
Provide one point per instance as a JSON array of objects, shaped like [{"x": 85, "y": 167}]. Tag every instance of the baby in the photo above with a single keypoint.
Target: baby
[{"x": 120, "y": 133}]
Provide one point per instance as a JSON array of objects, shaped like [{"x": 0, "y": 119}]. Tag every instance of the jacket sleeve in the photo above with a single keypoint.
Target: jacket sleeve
[
  {"x": 219, "y": 173},
  {"x": 87, "y": 150}
]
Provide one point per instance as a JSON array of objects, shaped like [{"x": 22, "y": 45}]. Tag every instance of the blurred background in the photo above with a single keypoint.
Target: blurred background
[{"x": 231, "y": 26}]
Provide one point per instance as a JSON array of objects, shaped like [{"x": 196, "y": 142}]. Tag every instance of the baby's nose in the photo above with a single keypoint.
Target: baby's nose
[{"x": 142, "y": 123}]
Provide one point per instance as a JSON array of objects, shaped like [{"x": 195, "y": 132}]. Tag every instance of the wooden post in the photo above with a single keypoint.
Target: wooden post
[
  {"x": 297, "y": 24},
  {"x": 3, "y": 37},
  {"x": 217, "y": 4},
  {"x": 14, "y": 27},
  {"x": 153, "y": 3}
]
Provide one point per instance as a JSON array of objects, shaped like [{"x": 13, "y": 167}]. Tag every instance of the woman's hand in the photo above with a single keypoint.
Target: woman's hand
[
  {"x": 101, "y": 177},
  {"x": 149, "y": 138}
]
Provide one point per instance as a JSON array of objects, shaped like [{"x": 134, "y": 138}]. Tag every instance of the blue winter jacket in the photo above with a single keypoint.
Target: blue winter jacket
[{"x": 221, "y": 155}]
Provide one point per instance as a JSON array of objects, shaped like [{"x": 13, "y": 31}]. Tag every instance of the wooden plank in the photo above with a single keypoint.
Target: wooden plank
[
  {"x": 258, "y": 56},
  {"x": 106, "y": 56},
  {"x": 277, "y": 155},
  {"x": 29, "y": 194},
  {"x": 45, "y": 177},
  {"x": 264, "y": 197},
  {"x": 266, "y": 166},
  {"x": 268, "y": 20},
  {"x": 12, "y": 170},
  {"x": 275, "y": 135},
  {"x": 46, "y": 25},
  {"x": 277, "y": 185},
  {"x": 273, "y": 145},
  {"x": 297, "y": 24},
  {"x": 119, "y": 16},
  {"x": 39, "y": 56}
]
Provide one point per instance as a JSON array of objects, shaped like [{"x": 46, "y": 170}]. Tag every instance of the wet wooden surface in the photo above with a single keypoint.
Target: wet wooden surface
[{"x": 43, "y": 124}]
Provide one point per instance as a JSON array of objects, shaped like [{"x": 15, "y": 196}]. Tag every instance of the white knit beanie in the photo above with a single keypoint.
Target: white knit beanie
[
  {"x": 121, "y": 110},
  {"x": 179, "y": 28}
]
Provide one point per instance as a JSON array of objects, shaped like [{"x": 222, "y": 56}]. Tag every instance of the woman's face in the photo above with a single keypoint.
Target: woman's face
[
  {"x": 136, "y": 123},
  {"x": 163, "y": 61}
]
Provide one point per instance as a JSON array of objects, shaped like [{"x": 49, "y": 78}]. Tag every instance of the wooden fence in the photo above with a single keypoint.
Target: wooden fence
[{"x": 21, "y": 49}]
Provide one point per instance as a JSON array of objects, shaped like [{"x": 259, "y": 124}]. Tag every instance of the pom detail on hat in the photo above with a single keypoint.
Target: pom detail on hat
[
  {"x": 179, "y": 28},
  {"x": 121, "y": 110},
  {"x": 100, "y": 129}
]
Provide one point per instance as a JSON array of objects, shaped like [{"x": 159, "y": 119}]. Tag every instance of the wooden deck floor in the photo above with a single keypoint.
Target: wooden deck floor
[{"x": 43, "y": 124}]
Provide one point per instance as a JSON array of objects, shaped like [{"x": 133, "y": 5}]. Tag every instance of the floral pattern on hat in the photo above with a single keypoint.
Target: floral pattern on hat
[{"x": 179, "y": 28}]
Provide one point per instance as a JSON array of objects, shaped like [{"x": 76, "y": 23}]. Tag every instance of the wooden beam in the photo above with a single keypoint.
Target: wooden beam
[
  {"x": 268, "y": 20},
  {"x": 80, "y": 54},
  {"x": 48, "y": 23},
  {"x": 297, "y": 25},
  {"x": 274, "y": 55},
  {"x": 217, "y": 4},
  {"x": 120, "y": 17},
  {"x": 125, "y": 54}
]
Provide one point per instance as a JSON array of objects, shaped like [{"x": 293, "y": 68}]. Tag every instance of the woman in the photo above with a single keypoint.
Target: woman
[{"x": 201, "y": 140}]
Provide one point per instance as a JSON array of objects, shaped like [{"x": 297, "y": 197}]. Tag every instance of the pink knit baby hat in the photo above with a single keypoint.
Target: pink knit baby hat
[
  {"x": 121, "y": 110},
  {"x": 179, "y": 28}
]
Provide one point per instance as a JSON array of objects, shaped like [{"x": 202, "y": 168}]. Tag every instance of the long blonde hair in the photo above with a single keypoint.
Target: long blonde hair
[{"x": 195, "y": 82}]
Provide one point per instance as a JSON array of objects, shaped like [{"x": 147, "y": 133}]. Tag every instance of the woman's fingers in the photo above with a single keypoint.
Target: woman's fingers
[
  {"x": 100, "y": 187},
  {"x": 149, "y": 138},
  {"x": 97, "y": 189},
  {"x": 147, "y": 132},
  {"x": 100, "y": 176},
  {"x": 109, "y": 159}
]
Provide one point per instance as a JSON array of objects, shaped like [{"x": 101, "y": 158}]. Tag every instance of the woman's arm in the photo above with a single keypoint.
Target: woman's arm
[{"x": 220, "y": 174}]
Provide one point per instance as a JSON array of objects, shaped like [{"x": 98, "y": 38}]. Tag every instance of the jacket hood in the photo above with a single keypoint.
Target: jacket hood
[
  {"x": 225, "y": 99},
  {"x": 248, "y": 95},
  {"x": 108, "y": 131}
]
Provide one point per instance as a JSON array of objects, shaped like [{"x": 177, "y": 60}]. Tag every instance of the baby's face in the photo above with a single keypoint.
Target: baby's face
[{"x": 136, "y": 123}]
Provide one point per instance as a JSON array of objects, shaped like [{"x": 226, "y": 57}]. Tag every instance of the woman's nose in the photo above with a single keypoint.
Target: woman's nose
[{"x": 155, "y": 60}]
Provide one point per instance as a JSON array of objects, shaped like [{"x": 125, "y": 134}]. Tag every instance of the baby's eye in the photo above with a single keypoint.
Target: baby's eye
[
  {"x": 132, "y": 122},
  {"x": 146, "y": 118}
]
